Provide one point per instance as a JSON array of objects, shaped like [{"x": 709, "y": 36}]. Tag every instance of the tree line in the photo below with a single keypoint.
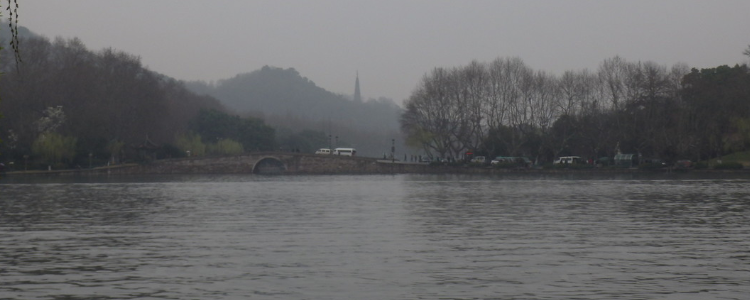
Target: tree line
[
  {"x": 65, "y": 106},
  {"x": 506, "y": 108}
]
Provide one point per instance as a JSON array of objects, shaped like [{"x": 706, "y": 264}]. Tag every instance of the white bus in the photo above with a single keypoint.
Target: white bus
[{"x": 345, "y": 151}]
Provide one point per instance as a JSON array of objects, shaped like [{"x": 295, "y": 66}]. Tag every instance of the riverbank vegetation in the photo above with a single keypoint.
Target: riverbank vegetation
[
  {"x": 66, "y": 106},
  {"x": 506, "y": 108},
  {"x": 109, "y": 108}
]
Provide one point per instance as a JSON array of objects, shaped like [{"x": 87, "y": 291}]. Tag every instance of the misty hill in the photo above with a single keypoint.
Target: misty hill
[
  {"x": 283, "y": 92},
  {"x": 293, "y": 104},
  {"x": 23, "y": 32}
]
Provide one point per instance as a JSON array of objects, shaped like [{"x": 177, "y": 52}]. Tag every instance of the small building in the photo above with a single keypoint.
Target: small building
[
  {"x": 146, "y": 151},
  {"x": 626, "y": 160}
]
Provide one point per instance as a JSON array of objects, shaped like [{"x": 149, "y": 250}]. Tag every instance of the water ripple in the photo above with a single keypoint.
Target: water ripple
[{"x": 375, "y": 237}]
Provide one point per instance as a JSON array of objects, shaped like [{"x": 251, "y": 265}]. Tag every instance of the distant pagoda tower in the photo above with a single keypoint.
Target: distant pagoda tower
[{"x": 357, "y": 95}]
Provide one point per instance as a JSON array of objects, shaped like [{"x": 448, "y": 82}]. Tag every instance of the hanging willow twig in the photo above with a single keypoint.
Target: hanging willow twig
[{"x": 12, "y": 9}]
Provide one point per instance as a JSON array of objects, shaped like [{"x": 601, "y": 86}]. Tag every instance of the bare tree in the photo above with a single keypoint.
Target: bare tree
[
  {"x": 515, "y": 96},
  {"x": 650, "y": 109},
  {"x": 612, "y": 74},
  {"x": 498, "y": 90},
  {"x": 428, "y": 119},
  {"x": 544, "y": 109},
  {"x": 509, "y": 109},
  {"x": 472, "y": 80}
]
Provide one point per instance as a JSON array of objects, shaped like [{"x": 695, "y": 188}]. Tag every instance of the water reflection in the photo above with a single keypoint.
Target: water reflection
[
  {"x": 690, "y": 203},
  {"x": 585, "y": 238},
  {"x": 376, "y": 237},
  {"x": 77, "y": 204}
]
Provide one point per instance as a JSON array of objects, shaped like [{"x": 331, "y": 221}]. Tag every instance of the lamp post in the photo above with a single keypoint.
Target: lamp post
[
  {"x": 330, "y": 145},
  {"x": 393, "y": 150},
  {"x": 337, "y": 141}
]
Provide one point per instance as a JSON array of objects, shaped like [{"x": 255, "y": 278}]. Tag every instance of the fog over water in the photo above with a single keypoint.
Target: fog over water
[{"x": 375, "y": 237}]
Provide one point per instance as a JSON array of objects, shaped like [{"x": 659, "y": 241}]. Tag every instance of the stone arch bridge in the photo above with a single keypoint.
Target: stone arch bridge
[{"x": 273, "y": 163}]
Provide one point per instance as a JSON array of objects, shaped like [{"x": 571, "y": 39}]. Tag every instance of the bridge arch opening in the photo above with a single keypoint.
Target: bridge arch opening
[{"x": 269, "y": 165}]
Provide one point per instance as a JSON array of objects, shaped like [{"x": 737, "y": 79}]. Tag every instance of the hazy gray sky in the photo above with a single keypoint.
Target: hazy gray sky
[{"x": 394, "y": 43}]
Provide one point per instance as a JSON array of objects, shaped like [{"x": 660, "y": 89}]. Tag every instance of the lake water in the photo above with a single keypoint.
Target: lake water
[{"x": 375, "y": 237}]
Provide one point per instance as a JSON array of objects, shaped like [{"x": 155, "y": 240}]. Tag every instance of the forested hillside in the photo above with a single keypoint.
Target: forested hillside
[
  {"x": 66, "y": 105},
  {"x": 292, "y": 103}
]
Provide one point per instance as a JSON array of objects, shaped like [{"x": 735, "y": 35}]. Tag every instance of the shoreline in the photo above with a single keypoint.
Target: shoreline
[{"x": 387, "y": 167}]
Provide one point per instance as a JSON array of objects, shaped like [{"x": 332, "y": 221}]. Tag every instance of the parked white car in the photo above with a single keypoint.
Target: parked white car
[
  {"x": 479, "y": 159},
  {"x": 323, "y": 151}
]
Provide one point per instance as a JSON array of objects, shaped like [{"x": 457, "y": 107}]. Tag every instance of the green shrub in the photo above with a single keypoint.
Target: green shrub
[
  {"x": 191, "y": 142},
  {"x": 114, "y": 149},
  {"x": 171, "y": 151},
  {"x": 454, "y": 164},
  {"x": 54, "y": 149},
  {"x": 508, "y": 165},
  {"x": 651, "y": 166},
  {"x": 226, "y": 147},
  {"x": 728, "y": 166}
]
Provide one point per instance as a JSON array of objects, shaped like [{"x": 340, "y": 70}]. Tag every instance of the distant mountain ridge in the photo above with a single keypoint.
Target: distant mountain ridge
[
  {"x": 23, "y": 32},
  {"x": 292, "y": 103},
  {"x": 278, "y": 91}
]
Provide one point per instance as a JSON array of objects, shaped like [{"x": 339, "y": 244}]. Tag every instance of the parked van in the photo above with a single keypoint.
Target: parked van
[
  {"x": 345, "y": 151},
  {"x": 568, "y": 160},
  {"x": 323, "y": 151},
  {"x": 478, "y": 160}
]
